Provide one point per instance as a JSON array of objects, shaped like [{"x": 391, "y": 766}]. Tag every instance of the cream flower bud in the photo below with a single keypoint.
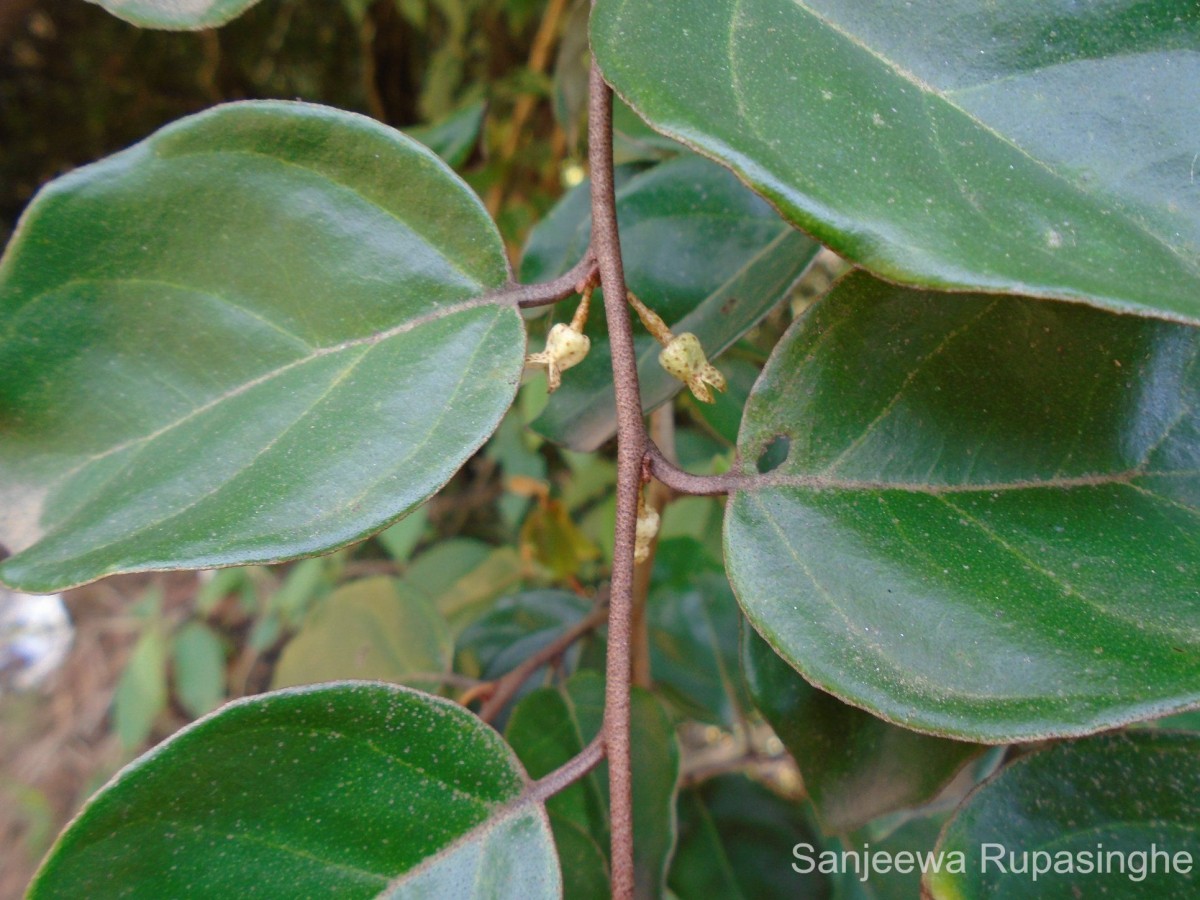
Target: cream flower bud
[
  {"x": 647, "y": 528},
  {"x": 684, "y": 358},
  {"x": 565, "y": 347}
]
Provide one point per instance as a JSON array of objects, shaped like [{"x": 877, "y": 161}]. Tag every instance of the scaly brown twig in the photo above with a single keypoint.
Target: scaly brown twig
[
  {"x": 574, "y": 281},
  {"x": 506, "y": 686},
  {"x": 631, "y": 449}
]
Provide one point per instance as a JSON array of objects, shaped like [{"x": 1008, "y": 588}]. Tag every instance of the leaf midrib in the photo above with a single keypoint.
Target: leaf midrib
[
  {"x": 270, "y": 374},
  {"x": 1126, "y": 477}
]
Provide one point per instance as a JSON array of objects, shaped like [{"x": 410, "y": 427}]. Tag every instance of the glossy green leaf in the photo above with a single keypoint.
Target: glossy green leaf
[
  {"x": 855, "y": 767},
  {"x": 702, "y": 251},
  {"x": 256, "y": 335},
  {"x": 1108, "y": 816},
  {"x": 692, "y": 621},
  {"x": 1032, "y": 148},
  {"x": 634, "y": 139},
  {"x": 988, "y": 520},
  {"x": 549, "y": 727},
  {"x": 176, "y": 15},
  {"x": 198, "y": 663},
  {"x": 736, "y": 842},
  {"x": 368, "y": 629},
  {"x": 348, "y": 790}
]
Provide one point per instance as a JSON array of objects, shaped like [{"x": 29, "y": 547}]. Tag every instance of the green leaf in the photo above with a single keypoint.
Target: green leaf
[
  {"x": 986, "y": 524},
  {"x": 401, "y": 539},
  {"x": 549, "y": 727},
  {"x": 1188, "y": 721},
  {"x": 516, "y": 628},
  {"x": 368, "y": 629},
  {"x": 352, "y": 789},
  {"x": 198, "y": 660},
  {"x": 511, "y": 448},
  {"x": 693, "y": 621},
  {"x": 702, "y": 251},
  {"x": 584, "y": 865},
  {"x": 906, "y": 844},
  {"x": 1081, "y": 819},
  {"x": 724, "y": 416},
  {"x": 435, "y": 571},
  {"x": 259, "y": 334},
  {"x": 174, "y": 15},
  {"x": 634, "y": 139},
  {"x": 561, "y": 237},
  {"x": 735, "y": 842},
  {"x": 855, "y": 767},
  {"x": 1024, "y": 148},
  {"x": 305, "y": 582},
  {"x": 141, "y": 692},
  {"x": 462, "y": 577},
  {"x": 454, "y": 137}
]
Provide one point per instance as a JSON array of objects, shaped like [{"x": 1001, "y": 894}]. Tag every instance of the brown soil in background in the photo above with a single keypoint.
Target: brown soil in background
[{"x": 56, "y": 744}]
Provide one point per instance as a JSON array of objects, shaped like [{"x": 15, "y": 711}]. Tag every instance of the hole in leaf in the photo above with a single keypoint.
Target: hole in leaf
[{"x": 774, "y": 454}]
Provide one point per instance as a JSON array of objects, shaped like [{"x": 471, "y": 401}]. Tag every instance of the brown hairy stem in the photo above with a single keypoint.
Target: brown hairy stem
[{"x": 631, "y": 448}]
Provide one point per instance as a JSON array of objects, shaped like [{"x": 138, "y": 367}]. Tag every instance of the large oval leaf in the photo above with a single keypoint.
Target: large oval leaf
[
  {"x": 259, "y": 334},
  {"x": 1044, "y": 148},
  {"x": 1113, "y": 815},
  {"x": 705, "y": 253},
  {"x": 350, "y": 790},
  {"x": 988, "y": 521},
  {"x": 176, "y": 15}
]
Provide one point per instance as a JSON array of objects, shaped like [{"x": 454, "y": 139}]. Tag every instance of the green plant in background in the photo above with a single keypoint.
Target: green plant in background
[{"x": 962, "y": 504}]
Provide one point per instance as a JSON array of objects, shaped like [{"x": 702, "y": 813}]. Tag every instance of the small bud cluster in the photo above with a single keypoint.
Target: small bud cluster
[
  {"x": 647, "y": 530},
  {"x": 682, "y": 356},
  {"x": 566, "y": 346}
]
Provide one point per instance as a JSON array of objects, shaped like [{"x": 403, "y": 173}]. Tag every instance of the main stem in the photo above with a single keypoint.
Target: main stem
[{"x": 631, "y": 448}]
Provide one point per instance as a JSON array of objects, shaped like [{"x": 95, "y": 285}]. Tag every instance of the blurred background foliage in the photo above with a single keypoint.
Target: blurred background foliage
[{"x": 77, "y": 84}]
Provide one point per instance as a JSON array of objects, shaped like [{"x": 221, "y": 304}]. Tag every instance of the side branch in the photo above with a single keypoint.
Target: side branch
[
  {"x": 511, "y": 682},
  {"x": 703, "y": 485},
  {"x": 528, "y": 296},
  {"x": 570, "y": 771}
]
